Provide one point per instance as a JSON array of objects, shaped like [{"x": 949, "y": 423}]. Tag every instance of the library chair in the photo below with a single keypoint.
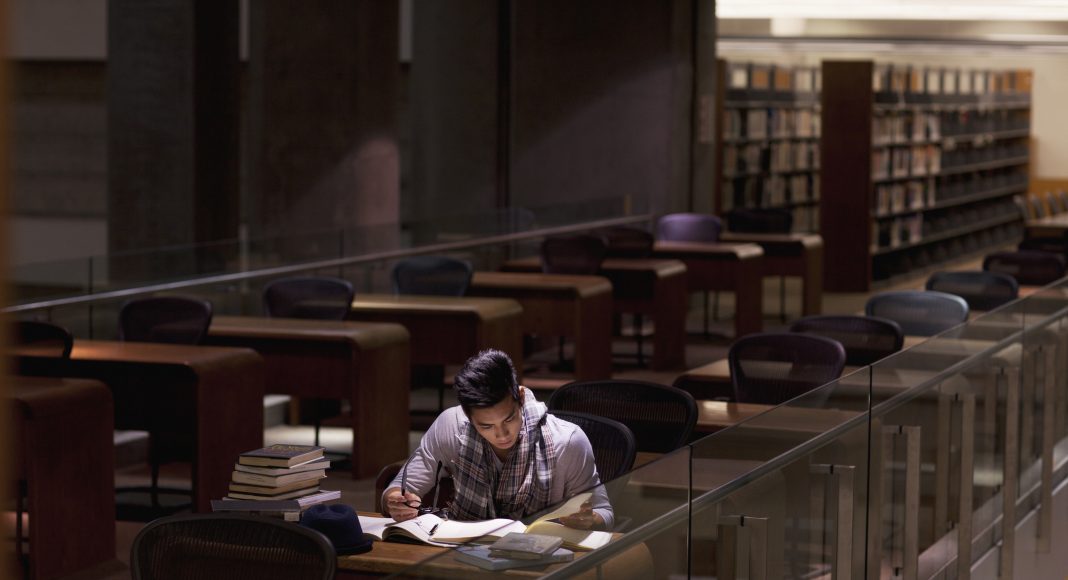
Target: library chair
[
  {"x": 225, "y": 546},
  {"x": 1053, "y": 202},
  {"x": 760, "y": 220},
  {"x": 982, "y": 290},
  {"x": 1021, "y": 204},
  {"x": 614, "y": 446},
  {"x": 661, "y": 417},
  {"x": 1028, "y": 268},
  {"x": 692, "y": 227},
  {"x": 772, "y": 368},
  {"x": 919, "y": 312},
  {"x": 165, "y": 319},
  {"x": 866, "y": 339},
  {"x": 43, "y": 338},
  {"x": 432, "y": 275},
  {"x": 579, "y": 254},
  {"x": 168, "y": 320},
  {"x": 1038, "y": 210},
  {"x": 1063, "y": 196},
  {"x": 313, "y": 298},
  {"x": 631, "y": 243}
]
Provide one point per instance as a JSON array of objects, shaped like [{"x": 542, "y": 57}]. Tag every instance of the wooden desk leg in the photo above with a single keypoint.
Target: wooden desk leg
[
  {"x": 669, "y": 338},
  {"x": 593, "y": 339},
  {"x": 812, "y": 282},
  {"x": 748, "y": 298},
  {"x": 380, "y": 404}
]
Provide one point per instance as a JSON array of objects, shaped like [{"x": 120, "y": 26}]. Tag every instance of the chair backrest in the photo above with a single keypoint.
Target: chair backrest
[
  {"x": 772, "y": 368},
  {"x": 614, "y": 446},
  {"x": 1063, "y": 196},
  {"x": 981, "y": 290},
  {"x": 628, "y": 242},
  {"x": 222, "y": 546},
  {"x": 1037, "y": 209},
  {"x": 866, "y": 339},
  {"x": 1028, "y": 267},
  {"x": 578, "y": 254},
  {"x": 919, "y": 312},
  {"x": 1021, "y": 204},
  {"x": 43, "y": 338},
  {"x": 388, "y": 473},
  {"x": 1053, "y": 202},
  {"x": 432, "y": 275},
  {"x": 311, "y": 297},
  {"x": 167, "y": 319},
  {"x": 760, "y": 220},
  {"x": 661, "y": 417},
  {"x": 689, "y": 227}
]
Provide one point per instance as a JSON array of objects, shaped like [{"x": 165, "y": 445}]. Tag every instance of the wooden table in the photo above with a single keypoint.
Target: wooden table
[
  {"x": 394, "y": 558},
  {"x": 364, "y": 362},
  {"x": 737, "y": 268},
  {"x": 714, "y": 416},
  {"x": 202, "y": 401},
  {"x": 655, "y": 288},
  {"x": 1051, "y": 226},
  {"x": 791, "y": 255},
  {"x": 64, "y": 454},
  {"x": 579, "y": 307},
  {"x": 448, "y": 330}
]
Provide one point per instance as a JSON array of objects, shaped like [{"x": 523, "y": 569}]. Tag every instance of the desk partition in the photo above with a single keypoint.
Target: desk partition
[{"x": 942, "y": 461}]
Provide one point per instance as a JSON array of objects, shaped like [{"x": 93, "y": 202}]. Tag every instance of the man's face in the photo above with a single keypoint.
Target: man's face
[{"x": 499, "y": 424}]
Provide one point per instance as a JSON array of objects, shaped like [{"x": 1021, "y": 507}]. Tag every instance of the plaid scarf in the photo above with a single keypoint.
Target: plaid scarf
[{"x": 524, "y": 481}]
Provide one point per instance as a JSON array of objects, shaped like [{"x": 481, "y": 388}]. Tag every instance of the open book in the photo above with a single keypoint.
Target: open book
[{"x": 430, "y": 529}]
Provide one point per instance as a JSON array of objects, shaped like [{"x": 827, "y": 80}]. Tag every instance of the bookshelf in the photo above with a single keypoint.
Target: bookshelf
[
  {"x": 922, "y": 165},
  {"x": 769, "y": 142}
]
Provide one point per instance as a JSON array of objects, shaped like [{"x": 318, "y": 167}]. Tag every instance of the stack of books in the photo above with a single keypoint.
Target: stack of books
[{"x": 278, "y": 480}]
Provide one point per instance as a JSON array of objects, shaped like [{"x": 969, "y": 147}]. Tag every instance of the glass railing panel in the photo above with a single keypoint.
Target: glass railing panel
[
  {"x": 795, "y": 472},
  {"x": 649, "y": 535}
]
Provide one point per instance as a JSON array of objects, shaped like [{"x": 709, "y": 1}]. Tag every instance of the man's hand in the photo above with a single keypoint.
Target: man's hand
[
  {"x": 400, "y": 506},
  {"x": 584, "y": 519}
]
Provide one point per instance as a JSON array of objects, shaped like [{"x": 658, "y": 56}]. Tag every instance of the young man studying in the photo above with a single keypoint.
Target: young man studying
[{"x": 508, "y": 457}]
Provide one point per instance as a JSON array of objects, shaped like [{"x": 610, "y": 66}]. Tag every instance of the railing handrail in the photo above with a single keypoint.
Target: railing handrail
[{"x": 321, "y": 264}]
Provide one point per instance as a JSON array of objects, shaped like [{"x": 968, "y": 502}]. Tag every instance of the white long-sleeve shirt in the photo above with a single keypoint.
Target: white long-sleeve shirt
[{"x": 574, "y": 472}]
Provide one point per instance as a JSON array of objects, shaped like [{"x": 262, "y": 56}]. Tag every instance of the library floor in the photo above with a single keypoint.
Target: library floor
[{"x": 359, "y": 493}]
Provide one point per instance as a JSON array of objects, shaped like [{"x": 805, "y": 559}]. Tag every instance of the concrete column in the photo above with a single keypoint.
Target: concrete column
[
  {"x": 172, "y": 132},
  {"x": 323, "y": 152}
]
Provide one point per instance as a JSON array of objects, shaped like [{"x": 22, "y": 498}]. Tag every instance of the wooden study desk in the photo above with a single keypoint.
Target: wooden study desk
[
  {"x": 655, "y": 288},
  {"x": 1050, "y": 226},
  {"x": 366, "y": 363},
  {"x": 798, "y": 255},
  {"x": 64, "y": 454},
  {"x": 579, "y": 307},
  {"x": 387, "y": 558},
  {"x": 204, "y": 402},
  {"x": 445, "y": 329},
  {"x": 737, "y": 268},
  {"x": 714, "y": 416}
]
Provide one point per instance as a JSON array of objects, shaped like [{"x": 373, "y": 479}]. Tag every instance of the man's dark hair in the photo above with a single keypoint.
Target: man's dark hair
[{"x": 485, "y": 380}]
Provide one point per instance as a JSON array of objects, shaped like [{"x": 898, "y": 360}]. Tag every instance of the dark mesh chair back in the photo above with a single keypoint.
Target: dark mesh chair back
[
  {"x": 43, "y": 339},
  {"x": 223, "y": 546},
  {"x": 760, "y": 220},
  {"x": 1028, "y": 267},
  {"x": 689, "y": 227},
  {"x": 166, "y": 319},
  {"x": 772, "y": 368},
  {"x": 1053, "y": 202},
  {"x": 661, "y": 417},
  {"x": 316, "y": 298},
  {"x": 614, "y": 447},
  {"x": 866, "y": 339},
  {"x": 1037, "y": 209},
  {"x": 627, "y": 242},
  {"x": 1021, "y": 204},
  {"x": 580, "y": 254},
  {"x": 981, "y": 290},
  {"x": 1063, "y": 196},
  {"x": 919, "y": 312},
  {"x": 432, "y": 275}
]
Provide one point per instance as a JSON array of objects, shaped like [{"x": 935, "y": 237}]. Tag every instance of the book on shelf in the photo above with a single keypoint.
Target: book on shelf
[
  {"x": 487, "y": 559},
  {"x": 281, "y": 455},
  {"x": 275, "y": 491},
  {"x": 274, "y": 504},
  {"x": 528, "y": 546},
  {"x": 321, "y": 463},
  {"x": 430, "y": 529},
  {"x": 277, "y": 480}
]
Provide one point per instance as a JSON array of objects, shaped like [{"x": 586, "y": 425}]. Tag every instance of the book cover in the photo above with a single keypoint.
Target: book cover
[
  {"x": 315, "y": 464},
  {"x": 486, "y": 559},
  {"x": 273, "y": 491},
  {"x": 281, "y": 455},
  {"x": 287, "y": 495},
  {"x": 529, "y": 546},
  {"x": 230, "y": 504},
  {"x": 276, "y": 481}
]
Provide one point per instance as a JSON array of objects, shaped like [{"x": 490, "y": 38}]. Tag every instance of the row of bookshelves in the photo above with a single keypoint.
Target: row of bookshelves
[
  {"x": 919, "y": 196},
  {"x": 916, "y": 229},
  {"x": 777, "y": 157},
  {"x": 906, "y": 83},
  {"x": 774, "y": 122},
  {"x": 930, "y": 160},
  {"x": 928, "y": 257},
  {"x": 770, "y": 191}
]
